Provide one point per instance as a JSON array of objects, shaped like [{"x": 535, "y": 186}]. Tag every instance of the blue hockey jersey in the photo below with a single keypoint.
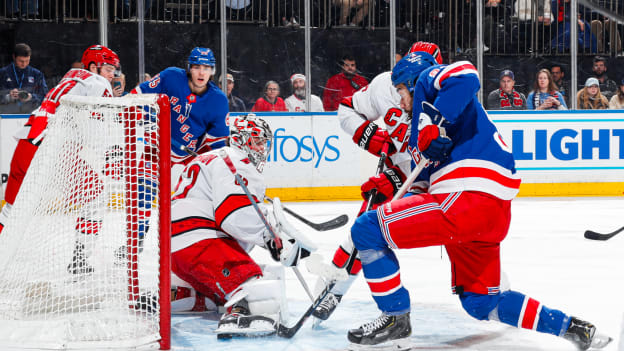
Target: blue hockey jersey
[
  {"x": 480, "y": 160},
  {"x": 196, "y": 120}
]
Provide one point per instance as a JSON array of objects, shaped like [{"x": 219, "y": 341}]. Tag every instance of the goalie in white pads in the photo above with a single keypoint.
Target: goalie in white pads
[
  {"x": 378, "y": 100},
  {"x": 214, "y": 226}
]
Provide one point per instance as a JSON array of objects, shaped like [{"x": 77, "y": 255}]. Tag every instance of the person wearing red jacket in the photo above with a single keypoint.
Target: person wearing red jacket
[
  {"x": 343, "y": 84},
  {"x": 271, "y": 100}
]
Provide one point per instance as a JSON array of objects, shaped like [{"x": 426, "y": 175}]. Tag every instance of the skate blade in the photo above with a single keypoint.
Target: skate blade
[
  {"x": 256, "y": 329},
  {"x": 393, "y": 345},
  {"x": 599, "y": 341}
]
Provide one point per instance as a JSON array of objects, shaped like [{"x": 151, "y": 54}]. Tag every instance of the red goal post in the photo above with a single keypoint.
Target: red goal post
[{"x": 98, "y": 193}]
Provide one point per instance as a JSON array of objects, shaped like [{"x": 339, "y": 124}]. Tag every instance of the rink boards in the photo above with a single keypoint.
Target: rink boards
[{"x": 559, "y": 153}]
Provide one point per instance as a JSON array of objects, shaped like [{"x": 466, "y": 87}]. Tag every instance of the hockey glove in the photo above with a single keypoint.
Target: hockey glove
[
  {"x": 270, "y": 245},
  {"x": 387, "y": 184},
  {"x": 432, "y": 142},
  {"x": 292, "y": 253},
  {"x": 371, "y": 138}
]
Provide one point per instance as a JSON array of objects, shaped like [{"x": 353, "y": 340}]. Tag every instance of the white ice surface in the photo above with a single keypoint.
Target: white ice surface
[{"x": 544, "y": 256}]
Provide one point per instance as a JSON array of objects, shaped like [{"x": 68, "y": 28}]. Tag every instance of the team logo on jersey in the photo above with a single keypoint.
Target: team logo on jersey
[
  {"x": 31, "y": 80},
  {"x": 191, "y": 98}
]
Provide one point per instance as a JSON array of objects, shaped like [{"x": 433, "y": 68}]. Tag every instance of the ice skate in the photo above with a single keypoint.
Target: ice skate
[
  {"x": 239, "y": 322},
  {"x": 583, "y": 335},
  {"x": 388, "y": 332},
  {"x": 79, "y": 265},
  {"x": 327, "y": 306}
]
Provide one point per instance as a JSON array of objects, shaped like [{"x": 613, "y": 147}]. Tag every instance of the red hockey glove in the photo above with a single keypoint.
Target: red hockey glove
[
  {"x": 387, "y": 184},
  {"x": 371, "y": 138}
]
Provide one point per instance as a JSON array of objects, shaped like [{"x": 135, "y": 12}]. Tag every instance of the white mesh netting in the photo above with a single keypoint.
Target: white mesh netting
[{"x": 81, "y": 244}]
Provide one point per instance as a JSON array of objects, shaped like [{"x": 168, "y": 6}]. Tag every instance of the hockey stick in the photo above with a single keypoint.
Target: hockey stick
[
  {"x": 289, "y": 332},
  {"x": 278, "y": 241},
  {"x": 592, "y": 235},
  {"x": 321, "y": 227}
]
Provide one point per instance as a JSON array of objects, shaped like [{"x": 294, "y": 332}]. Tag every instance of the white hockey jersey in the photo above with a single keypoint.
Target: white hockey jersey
[
  {"x": 75, "y": 82},
  {"x": 208, "y": 203},
  {"x": 377, "y": 100},
  {"x": 294, "y": 104}
]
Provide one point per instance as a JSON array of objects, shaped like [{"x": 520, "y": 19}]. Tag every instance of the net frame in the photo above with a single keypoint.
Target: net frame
[{"x": 133, "y": 141}]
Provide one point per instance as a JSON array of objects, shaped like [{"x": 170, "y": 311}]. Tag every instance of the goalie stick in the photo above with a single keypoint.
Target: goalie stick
[
  {"x": 321, "y": 227},
  {"x": 592, "y": 235},
  {"x": 278, "y": 241}
]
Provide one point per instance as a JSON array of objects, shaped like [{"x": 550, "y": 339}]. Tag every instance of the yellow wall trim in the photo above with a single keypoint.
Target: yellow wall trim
[{"x": 352, "y": 193}]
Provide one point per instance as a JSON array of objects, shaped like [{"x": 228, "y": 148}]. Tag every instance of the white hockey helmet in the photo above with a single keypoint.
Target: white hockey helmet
[{"x": 252, "y": 135}]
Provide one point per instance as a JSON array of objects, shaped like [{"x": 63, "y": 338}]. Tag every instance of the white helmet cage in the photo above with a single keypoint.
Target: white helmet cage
[{"x": 253, "y": 136}]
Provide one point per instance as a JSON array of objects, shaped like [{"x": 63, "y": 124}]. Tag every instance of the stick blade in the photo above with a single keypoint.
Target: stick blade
[
  {"x": 591, "y": 235},
  {"x": 332, "y": 224}
]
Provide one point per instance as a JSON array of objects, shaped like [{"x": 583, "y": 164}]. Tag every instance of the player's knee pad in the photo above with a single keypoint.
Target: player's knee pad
[
  {"x": 479, "y": 306},
  {"x": 366, "y": 234}
]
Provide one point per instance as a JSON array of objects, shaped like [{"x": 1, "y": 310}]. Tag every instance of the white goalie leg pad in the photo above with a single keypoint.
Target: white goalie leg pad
[
  {"x": 282, "y": 226},
  {"x": 264, "y": 296}
]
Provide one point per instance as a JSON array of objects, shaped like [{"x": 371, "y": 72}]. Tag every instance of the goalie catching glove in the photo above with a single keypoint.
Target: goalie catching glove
[
  {"x": 432, "y": 140},
  {"x": 295, "y": 245},
  {"x": 386, "y": 183},
  {"x": 372, "y": 138}
]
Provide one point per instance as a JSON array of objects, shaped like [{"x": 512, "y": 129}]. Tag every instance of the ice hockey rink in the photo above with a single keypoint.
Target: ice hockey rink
[{"x": 544, "y": 256}]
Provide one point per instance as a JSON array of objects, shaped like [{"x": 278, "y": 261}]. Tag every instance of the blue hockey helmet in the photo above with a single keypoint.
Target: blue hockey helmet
[
  {"x": 202, "y": 56},
  {"x": 409, "y": 68}
]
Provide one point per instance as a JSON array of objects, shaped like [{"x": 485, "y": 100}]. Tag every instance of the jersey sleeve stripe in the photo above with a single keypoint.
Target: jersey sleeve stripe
[
  {"x": 456, "y": 69},
  {"x": 185, "y": 225},
  {"x": 229, "y": 205}
]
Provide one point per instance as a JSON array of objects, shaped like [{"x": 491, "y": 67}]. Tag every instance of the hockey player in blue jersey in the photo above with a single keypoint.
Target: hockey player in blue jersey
[
  {"x": 198, "y": 106},
  {"x": 471, "y": 181}
]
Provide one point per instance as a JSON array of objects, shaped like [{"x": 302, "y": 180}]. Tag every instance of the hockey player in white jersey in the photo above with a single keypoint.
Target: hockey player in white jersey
[
  {"x": 214, "y": 226},
  {"x": 378, "y": 100}
]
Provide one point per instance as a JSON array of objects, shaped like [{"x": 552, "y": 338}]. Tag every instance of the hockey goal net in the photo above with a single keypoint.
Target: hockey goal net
[{"x": 84, "y": 255}]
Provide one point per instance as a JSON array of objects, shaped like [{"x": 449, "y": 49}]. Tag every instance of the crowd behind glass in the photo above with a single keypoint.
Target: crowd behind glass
[{"x": 532, "y": 28}]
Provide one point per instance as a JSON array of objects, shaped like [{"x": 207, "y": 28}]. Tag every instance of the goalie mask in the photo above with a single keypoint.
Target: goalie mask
[{"x": 253, "y": 136}]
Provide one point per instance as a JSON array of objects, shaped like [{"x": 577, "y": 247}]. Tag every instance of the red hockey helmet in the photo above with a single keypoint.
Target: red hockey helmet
[
  {"x": 99, "y": 55},
  {"x": 427, "y": 47}
]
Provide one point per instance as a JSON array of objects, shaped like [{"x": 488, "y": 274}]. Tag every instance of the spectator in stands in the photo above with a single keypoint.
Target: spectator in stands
[
  {"x": 545, "y": 95},
  {"x": 236, "y": 103},
  {"x": 607, "y": 32},
  {"x": 617, "y": 100},
  {"x": 525, "y": 11},
  {"x": 345, "y": 9},
  {"x": 558, "y": 75},
  {"x": 506, "y": 97},
  {"x": 146, "y": 77},
  {"x": 119, "y": 85},
  {"x": 271, "y": 100},
  {"x": 590, "y": 98},
  {"x": 21, "y": 8},
  {"x": 343, "y": 84},
  {"x": 22, "y": 87},
  {"x": 608, "y": 87},
  {"x": 296, "y": 102},
  {"x": 561, "y": 40}
]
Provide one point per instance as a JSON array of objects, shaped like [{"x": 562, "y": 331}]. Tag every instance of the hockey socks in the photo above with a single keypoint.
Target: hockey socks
[
  {"x": 381, "y": 270},
  {"x": 516, "y": 309}
]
